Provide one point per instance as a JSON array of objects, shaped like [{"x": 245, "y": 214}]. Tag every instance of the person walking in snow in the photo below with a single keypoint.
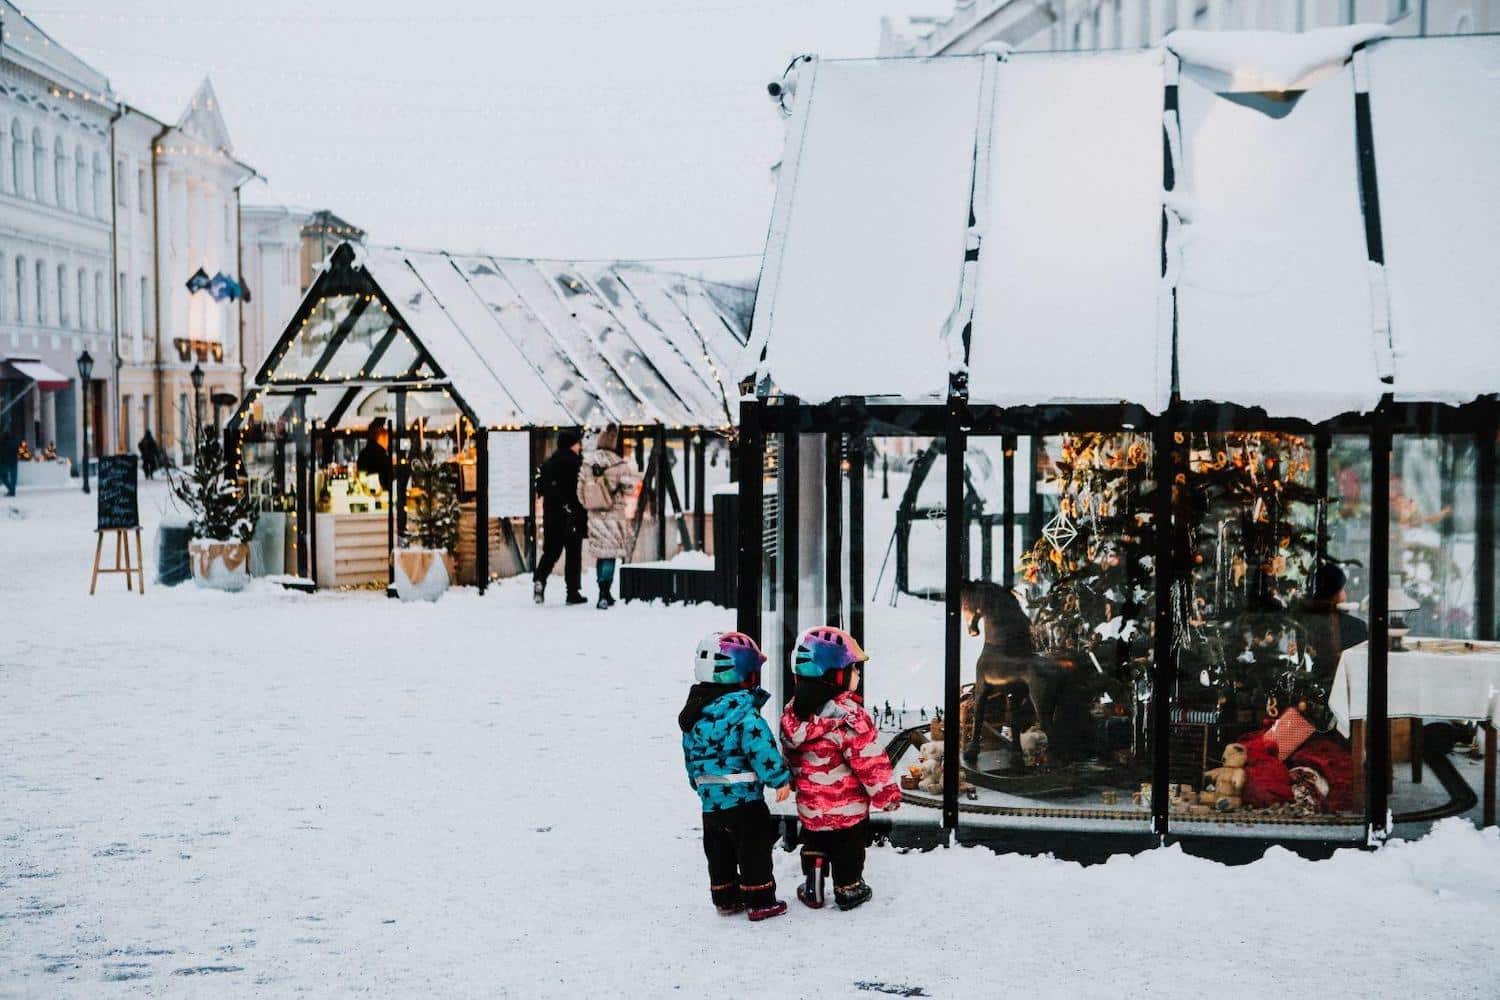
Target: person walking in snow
[
  {"x": 840, "y": 769},
  {"x": 10, "y": 464},
  {"x": 731, "y": 758},
  {"x": 564, "y": 521},
  {"x": 605, "y": 483}
]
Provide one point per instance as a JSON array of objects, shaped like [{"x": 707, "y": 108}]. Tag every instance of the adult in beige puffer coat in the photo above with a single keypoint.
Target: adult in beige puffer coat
[{"x": 609, "y": 528}]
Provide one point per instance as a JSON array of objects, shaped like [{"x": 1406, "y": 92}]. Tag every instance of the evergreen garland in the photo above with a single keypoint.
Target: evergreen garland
[
  {"x": 432, "y": 518},
  {"x": 221, "y": 510}
]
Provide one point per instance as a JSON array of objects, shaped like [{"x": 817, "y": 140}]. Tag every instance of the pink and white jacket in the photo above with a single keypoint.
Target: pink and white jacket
[{"x": 839, "y": 769}]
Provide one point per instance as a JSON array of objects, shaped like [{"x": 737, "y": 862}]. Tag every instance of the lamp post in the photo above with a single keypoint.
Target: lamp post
[
  {"x": 197, "y": 376},
  {"x": 85, "y": 373}
]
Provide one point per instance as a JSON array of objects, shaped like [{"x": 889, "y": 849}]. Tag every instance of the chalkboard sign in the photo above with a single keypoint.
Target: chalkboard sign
[{"x": 117, "y": 500}]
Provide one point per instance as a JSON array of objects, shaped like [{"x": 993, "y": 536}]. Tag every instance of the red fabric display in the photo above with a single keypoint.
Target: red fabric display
[
  {"x": 1289, "y": 732},
  {"x": 1267, "y": 782}
]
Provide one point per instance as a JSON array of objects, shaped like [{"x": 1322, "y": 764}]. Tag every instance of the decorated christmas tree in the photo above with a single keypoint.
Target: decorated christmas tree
[
  {"x": 1243, "y": 545},
  {"x": 432, "y": 518},
  {"x": 221, "y": 510}
]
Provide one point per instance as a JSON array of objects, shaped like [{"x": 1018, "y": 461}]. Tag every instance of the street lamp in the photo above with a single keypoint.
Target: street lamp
[
  {"x": 197, "y": 376},
  {"x": 221, "y": 400},
  {"x": 85, "y": 373}
]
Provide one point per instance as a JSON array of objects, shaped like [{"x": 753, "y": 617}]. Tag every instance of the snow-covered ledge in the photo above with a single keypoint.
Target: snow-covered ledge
[{"x": 1268, "y": 60}]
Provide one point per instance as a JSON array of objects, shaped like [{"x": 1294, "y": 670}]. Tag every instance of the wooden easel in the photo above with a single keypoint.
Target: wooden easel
[{"x": 122, "y": 558}]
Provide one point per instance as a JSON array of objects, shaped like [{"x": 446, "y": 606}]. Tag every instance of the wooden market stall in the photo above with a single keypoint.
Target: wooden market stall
[
  {"x": 1218, "y": 317},
  {"x": 483, "y": 360}
]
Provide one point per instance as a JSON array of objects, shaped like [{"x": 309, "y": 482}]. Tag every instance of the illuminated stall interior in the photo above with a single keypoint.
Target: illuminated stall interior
[
  {"x": 1141, "y": 339},
  {"x": 482, "y": 360}
]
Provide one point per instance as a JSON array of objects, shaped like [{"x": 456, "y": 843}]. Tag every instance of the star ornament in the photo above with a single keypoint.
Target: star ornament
[{"x": 1060, "y": 532}]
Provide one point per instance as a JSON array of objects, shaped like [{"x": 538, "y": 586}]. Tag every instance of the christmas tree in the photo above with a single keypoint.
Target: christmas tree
[
  {"x": 221, "y": 510},
  {"x": 1243, "y": 543},
  {"x": 432, "y": 518}
]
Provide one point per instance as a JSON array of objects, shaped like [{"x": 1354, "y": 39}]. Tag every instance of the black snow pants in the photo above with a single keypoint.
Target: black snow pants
[
  {"x": 842, "y": 851},
  {"x": 737, "y": 843}
]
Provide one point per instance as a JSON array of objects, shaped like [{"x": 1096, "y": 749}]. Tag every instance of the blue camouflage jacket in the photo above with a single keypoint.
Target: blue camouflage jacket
[{"x": 730, "y": 753}]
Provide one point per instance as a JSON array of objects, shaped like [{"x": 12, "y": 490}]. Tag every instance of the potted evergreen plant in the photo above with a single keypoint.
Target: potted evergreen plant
[
  {"x": 424, "y": 560},
  {"x": 223, "y": 518}
]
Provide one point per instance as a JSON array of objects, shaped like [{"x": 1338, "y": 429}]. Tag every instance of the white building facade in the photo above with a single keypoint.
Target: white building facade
[
  {"x": 271, "y": 251},
  {"x": 1032, "y": 25},
  {"x": 56, "y": 296},
  {"x": 178, "y": 187}
]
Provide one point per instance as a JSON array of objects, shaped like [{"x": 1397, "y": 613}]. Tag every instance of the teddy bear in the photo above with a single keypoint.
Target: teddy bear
[
  {"x": 1034, "y": 746},
  {"x": 1223, "y": 786}
]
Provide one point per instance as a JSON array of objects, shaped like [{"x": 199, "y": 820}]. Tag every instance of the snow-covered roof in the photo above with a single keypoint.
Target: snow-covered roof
[
  {"x": 518, "y": 342},
  {"x": 1083, "y": 227}
]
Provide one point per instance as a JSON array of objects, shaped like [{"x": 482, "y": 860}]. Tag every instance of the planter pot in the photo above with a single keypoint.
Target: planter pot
[
  {"x": 219, "y": 565},
  {"x": 422, "y": 574}
]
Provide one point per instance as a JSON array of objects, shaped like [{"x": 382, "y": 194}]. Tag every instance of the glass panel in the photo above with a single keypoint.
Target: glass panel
[
  {"x": 904, "y": 552},
  {"x": 1433, "y": 535},
  {"x": 1260, "y": 716},
  {"x": 296, "y": 363},
  {"x": 1055, "y": 669}
]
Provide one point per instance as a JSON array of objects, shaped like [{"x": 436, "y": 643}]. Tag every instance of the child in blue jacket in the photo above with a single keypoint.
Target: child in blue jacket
[{"x": 731, "y": 758}]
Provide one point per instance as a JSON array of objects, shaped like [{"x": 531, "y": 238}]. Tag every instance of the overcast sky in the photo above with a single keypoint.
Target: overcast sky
[{"x": 584, "y": 128}]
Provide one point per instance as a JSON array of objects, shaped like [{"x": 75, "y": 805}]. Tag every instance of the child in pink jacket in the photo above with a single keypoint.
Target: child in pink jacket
[{"x": 839, "y": 768}]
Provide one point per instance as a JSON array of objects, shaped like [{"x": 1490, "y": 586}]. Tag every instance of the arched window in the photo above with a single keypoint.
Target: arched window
[
  {"x": 17, "y": 157},
  {"x": 38, "y": 165},
  {"x": 83, "y": 311},
  {"x": 99, "y": 322},
  {"x": 59, "y": 173},
  {"x": 62, "y": 296},
  {"x": 1464, "y": 23},
  {"x": 146, "y": 309},
  {"x": 20, "y": 289},
  {"x": 83, "y": 201},
  {"x": 41, "y": 293},
  {"x": 101, "y": 209}
]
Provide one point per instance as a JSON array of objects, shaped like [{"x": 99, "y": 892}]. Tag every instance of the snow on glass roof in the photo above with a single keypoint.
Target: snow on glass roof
[
  {"x": 1111, "y": 227},
  {"x": 518, "y": 342}
]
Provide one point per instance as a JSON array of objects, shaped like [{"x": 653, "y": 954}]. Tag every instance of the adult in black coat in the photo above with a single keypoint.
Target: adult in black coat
[
  {"x": 1330, "y": 629},
  {"x": 564, "y": 522},
  {"x": 10, "y": 467},
  {"x": 151, "y": 458},
  {"x": 373, "y": 458}
]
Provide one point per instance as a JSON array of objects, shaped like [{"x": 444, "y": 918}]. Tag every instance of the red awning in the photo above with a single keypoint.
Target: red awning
[{"x": 44, "y": 376}]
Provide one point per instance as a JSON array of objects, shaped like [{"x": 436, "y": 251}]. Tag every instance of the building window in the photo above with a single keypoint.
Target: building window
[
  {"x": 20, "y": 289},
  {"x": 101, "y": 197},
  {"x": 99, "y": 321},
  {"x": 82, "y": 200},
  {"x": 41, "y": 293},
  {"x": 17, "y": 157},
  {"x": 38, "y": 165},
  {"x": 83, "y": 312},
  {"x": 141, "y": 194},
  {"x": 120, "y": 291},
  {"x": 145, "y": 310},
  {"x": 120, "y": 189},
  {"x": 1464, "y": 24},
  {"x": 59, "y": 174},
  {"x": 62, "y": 295}
]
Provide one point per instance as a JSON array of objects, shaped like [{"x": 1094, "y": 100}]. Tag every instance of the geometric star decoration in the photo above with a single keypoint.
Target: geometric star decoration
[{"x": 1060, "y": 531}]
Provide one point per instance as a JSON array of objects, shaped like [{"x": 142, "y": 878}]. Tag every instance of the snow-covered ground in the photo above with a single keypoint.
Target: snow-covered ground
[{"x": 272, "y": 794}]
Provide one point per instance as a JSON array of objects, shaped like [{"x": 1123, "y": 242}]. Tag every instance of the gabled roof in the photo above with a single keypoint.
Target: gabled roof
[
  {"x": 201, "y": 119},
  {"x": 1122, "y": 226},
  {"x": 515, "y": 343}
]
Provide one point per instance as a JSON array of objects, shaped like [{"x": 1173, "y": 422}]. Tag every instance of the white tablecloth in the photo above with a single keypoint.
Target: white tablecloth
[{"x": 1430, "y": 680}]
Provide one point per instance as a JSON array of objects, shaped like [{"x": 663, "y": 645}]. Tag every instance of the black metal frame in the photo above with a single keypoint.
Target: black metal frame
[{"x": 956, "y": 421}]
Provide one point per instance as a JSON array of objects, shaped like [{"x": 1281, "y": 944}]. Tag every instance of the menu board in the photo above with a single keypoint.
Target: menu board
[
  {"x": 117, "y": 493},
  {"x": 510, "y": 473}
]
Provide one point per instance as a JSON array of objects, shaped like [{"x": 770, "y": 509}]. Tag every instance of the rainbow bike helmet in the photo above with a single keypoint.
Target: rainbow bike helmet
[
  {"x": 728, "y": 658},
  {"x": 826, "y": 650}
]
